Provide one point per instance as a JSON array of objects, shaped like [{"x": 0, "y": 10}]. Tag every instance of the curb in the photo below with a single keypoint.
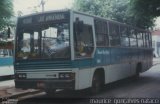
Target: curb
[
  {"x": 16, "y": 96},
  {"x": 155, "y": 64}
]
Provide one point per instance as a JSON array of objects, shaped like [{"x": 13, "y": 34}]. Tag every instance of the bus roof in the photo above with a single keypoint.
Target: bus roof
[
  {"x": 94, "y": 16},
  {"x": 33, "y": 14}
]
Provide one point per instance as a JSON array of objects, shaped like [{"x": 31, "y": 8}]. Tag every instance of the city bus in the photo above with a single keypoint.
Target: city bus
[
  {"x": 70, "y": 50},
  {"x": 6, "y": 60}
]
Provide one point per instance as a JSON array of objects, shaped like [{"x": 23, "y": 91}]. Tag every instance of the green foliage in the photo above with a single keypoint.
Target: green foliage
[
  {"x": 6, "y": 11},
  {"x": 144, "y": 12},
  {"x": 148, "y": 7},
  {"x": 140, "y": 13},
  {"x": 117, "y": 10}
]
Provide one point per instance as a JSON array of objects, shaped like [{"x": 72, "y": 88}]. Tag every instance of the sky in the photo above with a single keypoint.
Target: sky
[{"x": 27, "y": 6}]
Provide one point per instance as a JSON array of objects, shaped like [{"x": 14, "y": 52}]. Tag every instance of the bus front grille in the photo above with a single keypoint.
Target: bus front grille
[{"x": 42, "y": 65}]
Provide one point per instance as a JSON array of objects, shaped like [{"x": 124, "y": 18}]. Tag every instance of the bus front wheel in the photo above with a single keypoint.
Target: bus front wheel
[{"x": 96, "y": 84}]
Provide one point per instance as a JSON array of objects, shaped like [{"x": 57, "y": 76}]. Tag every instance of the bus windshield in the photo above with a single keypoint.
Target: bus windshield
[{"x": 43, "y": 41}]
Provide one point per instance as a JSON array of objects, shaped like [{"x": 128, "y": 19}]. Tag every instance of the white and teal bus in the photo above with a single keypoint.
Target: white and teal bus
[
  {"x": 6, "y": 60},
  {"x": 72, "y": 50}
]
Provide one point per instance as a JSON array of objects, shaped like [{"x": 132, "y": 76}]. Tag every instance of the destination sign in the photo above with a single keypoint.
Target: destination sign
[
  {"x": 42, "y": 18},
  {"x": 52, "y": 17}
]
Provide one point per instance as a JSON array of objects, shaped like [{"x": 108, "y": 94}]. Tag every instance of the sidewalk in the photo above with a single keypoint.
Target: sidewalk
[
  {"x": 7, "y": 89},
  {"x": 156, "y": 60}
]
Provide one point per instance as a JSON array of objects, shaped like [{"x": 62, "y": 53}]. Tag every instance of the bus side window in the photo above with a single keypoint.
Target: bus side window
[
  {"x": 101, "y": 29},
  {"x": 114, "y": 34},
  {"x": 147, "y": 39},
  {"x": 140, "y": 38},
  {"x": 133, "y": 37},
  {"x": 144, "y": 40},
  {"x": 124, "y": 36}
]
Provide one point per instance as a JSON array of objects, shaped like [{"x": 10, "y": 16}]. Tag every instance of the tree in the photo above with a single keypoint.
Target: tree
[
  {"x": 111, "y": 9},
  {"x": 6, "y": 12},
  {"x": 148, "y": 7},
  {"x": 145, "y": 11},
  {"x": 140, "y": 13}
]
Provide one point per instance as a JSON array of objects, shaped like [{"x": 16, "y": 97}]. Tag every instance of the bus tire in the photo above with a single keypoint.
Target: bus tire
[{"x": 96, "y": 84}]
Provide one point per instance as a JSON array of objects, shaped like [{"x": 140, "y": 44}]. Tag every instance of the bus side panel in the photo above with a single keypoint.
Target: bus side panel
[
  {"x": 120, "y": 65},
  {"x": 116, "y": 62},
  {"x": 6, "y": 66},
  {"x": 102, "y": 57},
  {"x": 116, "y": 72},
  {"x": 85, "y": 78}
]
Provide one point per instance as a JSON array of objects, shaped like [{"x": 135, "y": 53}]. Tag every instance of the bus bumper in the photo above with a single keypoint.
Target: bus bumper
[{"x": 45, "y": 84}]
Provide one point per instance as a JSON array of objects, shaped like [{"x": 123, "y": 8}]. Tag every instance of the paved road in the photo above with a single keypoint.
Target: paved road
[{"x": 146, "y": 86}]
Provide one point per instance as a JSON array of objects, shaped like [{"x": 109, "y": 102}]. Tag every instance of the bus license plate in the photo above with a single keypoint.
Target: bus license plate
[{"x": 41, "y": 85}]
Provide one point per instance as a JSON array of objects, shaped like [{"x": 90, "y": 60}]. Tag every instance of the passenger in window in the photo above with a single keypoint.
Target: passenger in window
[
  {"x": 84, "y": 49},
  {"x": 60, "y": 36},
  {"x": 59, "y": 47},
  {"x": 81, "y": 48}
]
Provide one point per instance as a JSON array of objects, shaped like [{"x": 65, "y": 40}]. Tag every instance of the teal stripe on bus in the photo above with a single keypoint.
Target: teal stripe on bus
[{"x": 5, "y": 61}]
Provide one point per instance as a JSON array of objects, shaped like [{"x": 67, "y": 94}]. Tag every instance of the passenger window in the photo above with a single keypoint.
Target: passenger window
[
  {"x": 124, "y": 36},
  {"x": 140, "y": 38},
  {"x": 146, "y": 38},
  {"x": 114, "y": 34},
  {"x": 101, "y": 29},
  {"x": 133, "y": 37}
]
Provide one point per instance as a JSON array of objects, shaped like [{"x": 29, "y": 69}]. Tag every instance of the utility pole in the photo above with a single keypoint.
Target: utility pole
[{"x": 42, "y": 3}]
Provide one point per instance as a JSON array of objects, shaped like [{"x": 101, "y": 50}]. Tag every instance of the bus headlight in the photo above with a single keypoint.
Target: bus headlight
[
  {"x": 21, "y": 75},
  {"x": 66, "y": 75}
]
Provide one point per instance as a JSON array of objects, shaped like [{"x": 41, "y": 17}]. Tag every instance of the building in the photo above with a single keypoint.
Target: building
[{"x": 156, "y": 42}]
